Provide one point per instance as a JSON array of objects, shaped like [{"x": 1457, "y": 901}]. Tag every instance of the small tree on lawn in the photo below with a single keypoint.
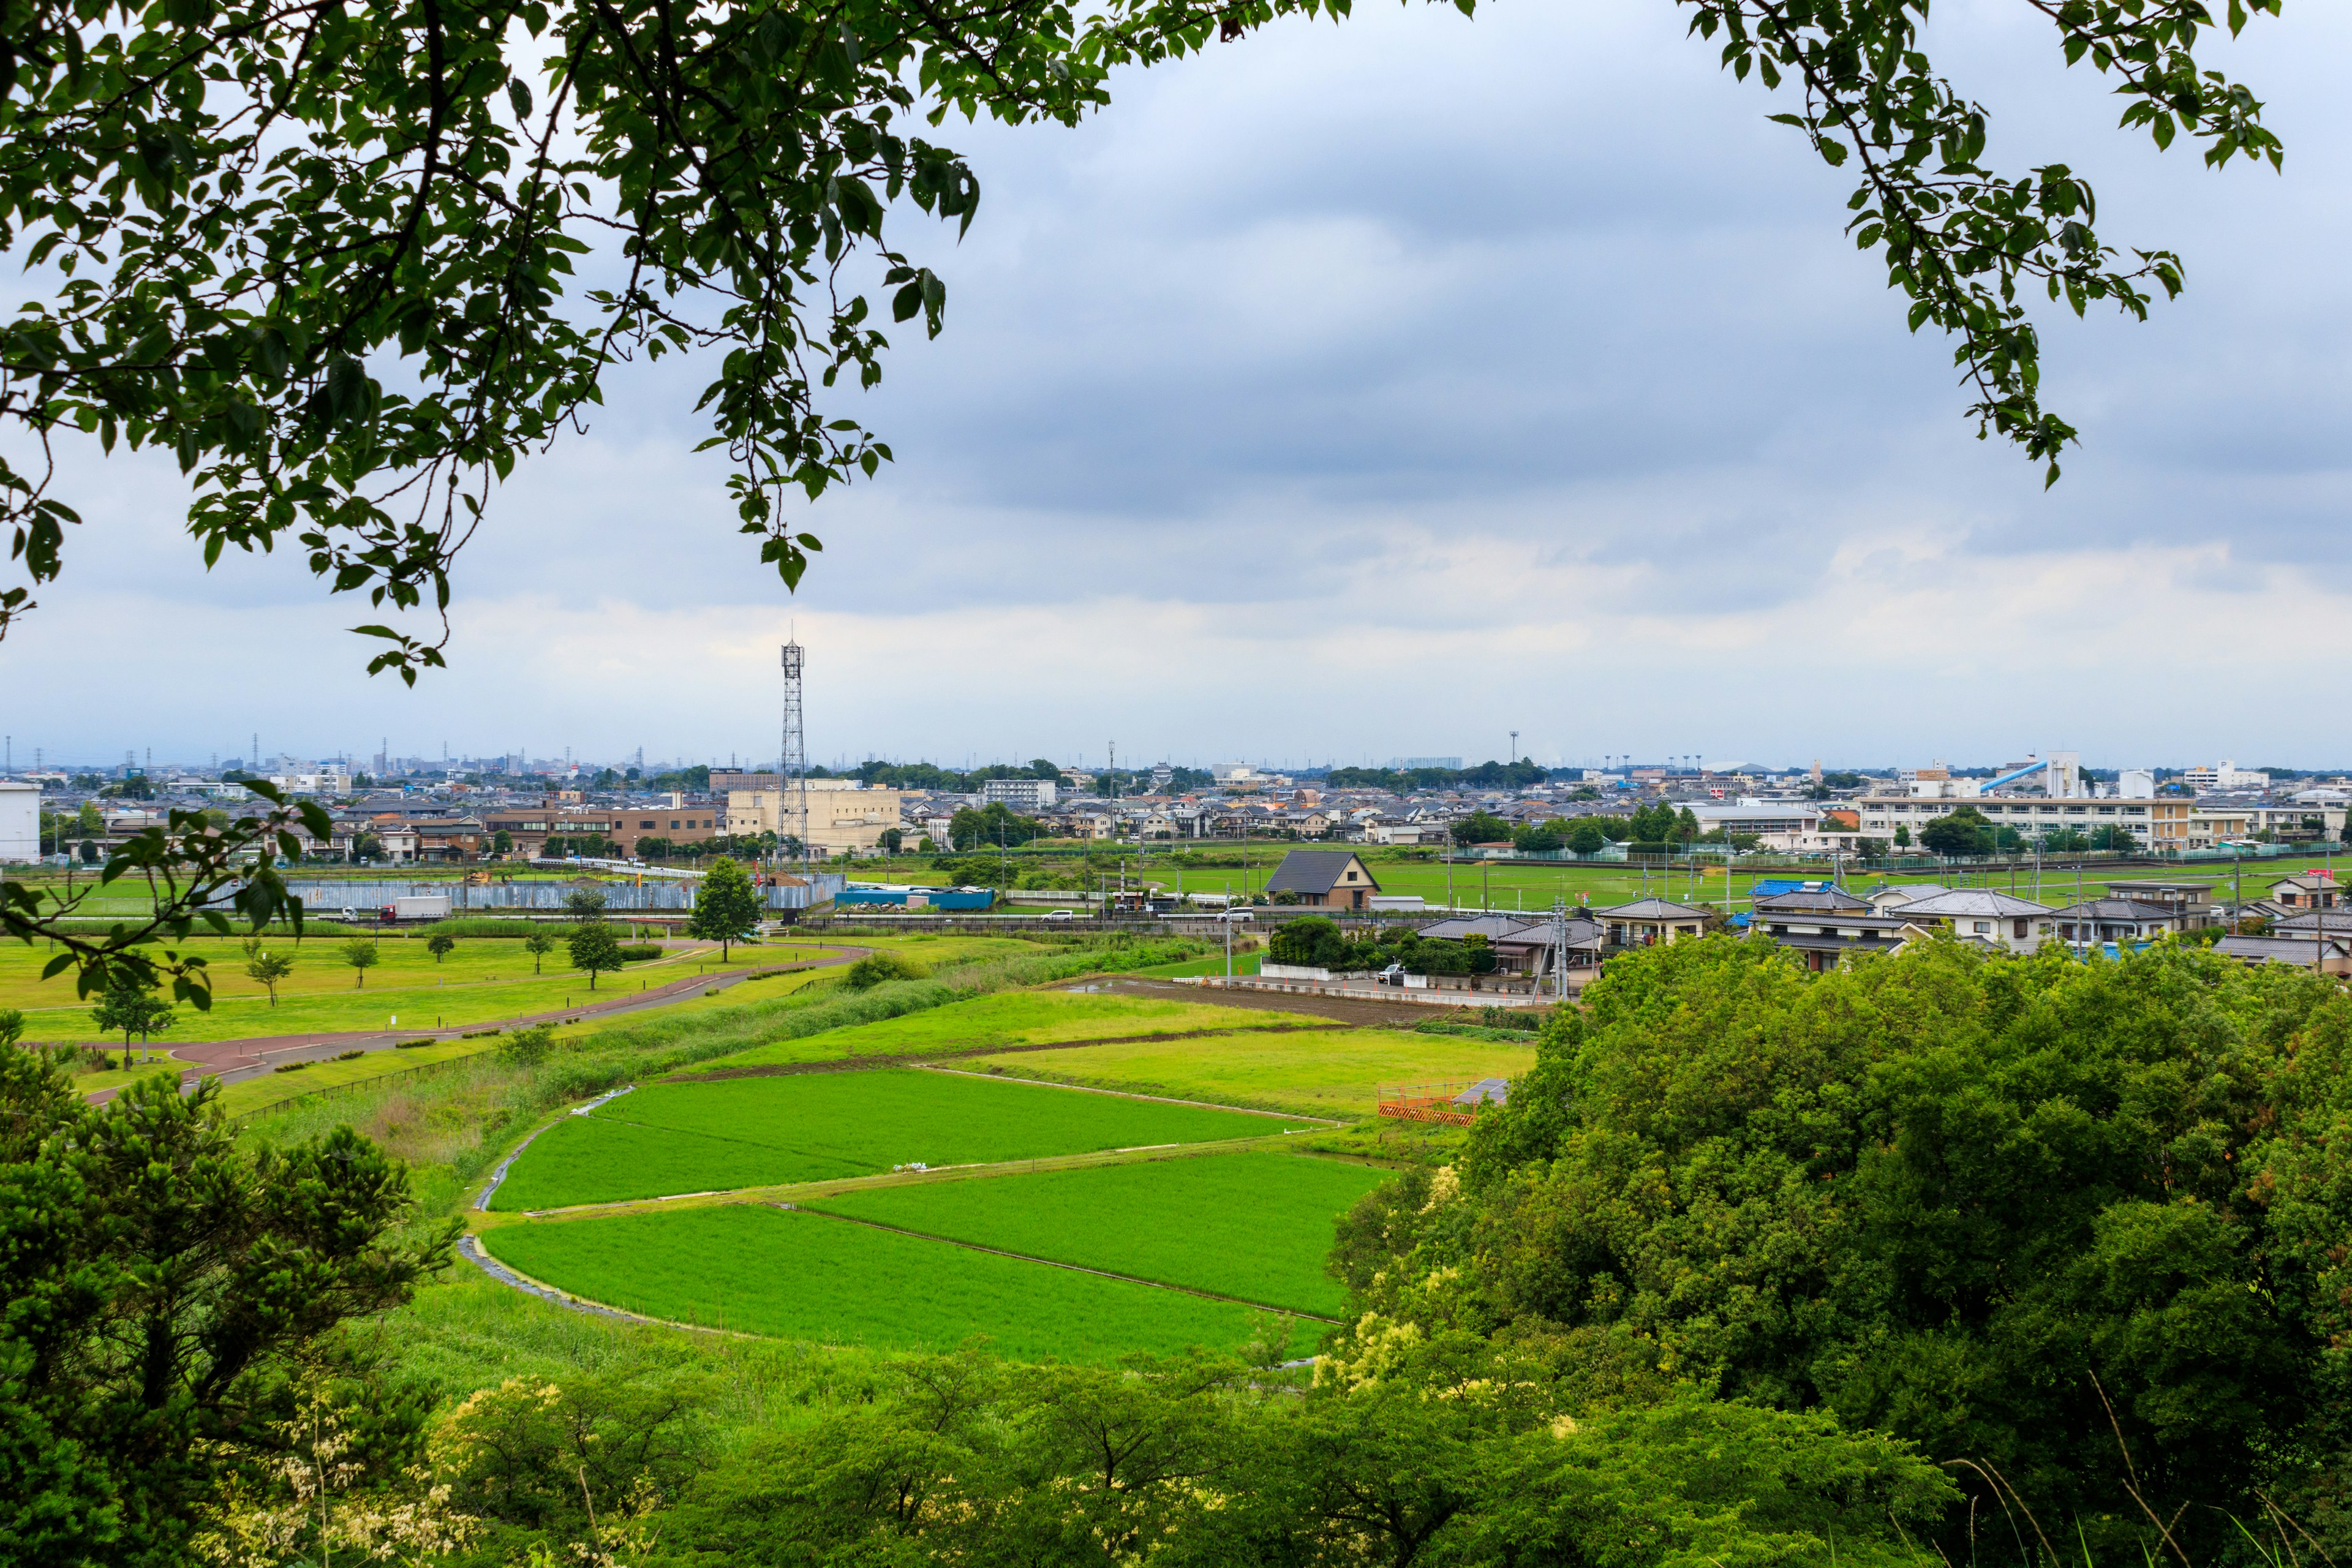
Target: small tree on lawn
[
  {"x": 264, "y": 967},
  {"x": 593, "y": 947},
  {"x": 359, "y": 951},
  {"x": 438, "y": 944},
  {"x": 585, "y": 903},
  {"x": 129, "y": 1005},
  {"x": 538, "y": 945},
  {"x": 726, "y": 906}
]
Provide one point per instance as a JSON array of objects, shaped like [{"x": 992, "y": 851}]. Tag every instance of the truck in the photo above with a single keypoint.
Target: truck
[{"x": 417, "y": 906}]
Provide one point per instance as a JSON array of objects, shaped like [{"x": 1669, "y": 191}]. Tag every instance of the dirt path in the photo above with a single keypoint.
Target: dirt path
[{"x": 233, "y": 1061}]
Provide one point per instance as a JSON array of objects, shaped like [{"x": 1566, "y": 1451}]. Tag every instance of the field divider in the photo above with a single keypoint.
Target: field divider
[
  {"x": 1054, "y": 1263},
  {"x": 830, "y": 1186},
  {"x": 1131, "y": 1094}
]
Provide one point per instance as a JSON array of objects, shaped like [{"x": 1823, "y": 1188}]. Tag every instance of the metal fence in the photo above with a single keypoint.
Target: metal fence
[{"x": 329, "y": 897}]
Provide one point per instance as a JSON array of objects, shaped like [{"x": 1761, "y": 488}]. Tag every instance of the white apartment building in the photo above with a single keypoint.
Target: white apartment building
[
  {"x": 1881, "y": 815},
  {"x": 1780, "y": 825},
  {"x": 1020, "y": 794},
  {"x": 842, "y": 813}
]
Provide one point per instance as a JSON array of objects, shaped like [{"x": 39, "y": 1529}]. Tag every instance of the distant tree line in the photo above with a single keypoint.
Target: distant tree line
[{"x": 1490, "y": 775}]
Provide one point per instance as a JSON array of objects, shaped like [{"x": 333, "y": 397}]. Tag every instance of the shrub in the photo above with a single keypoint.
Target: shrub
[
  {"x": 640, "y": 952},
  {"x": 290, "y": 1066},
  {"x": 348, "y": 1055},
  {"x": 877, "y": 968},
  {"x": 527, "y": 1046}
]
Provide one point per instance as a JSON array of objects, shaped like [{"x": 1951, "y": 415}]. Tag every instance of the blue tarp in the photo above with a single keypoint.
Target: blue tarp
[{"x": 932, "y": 898}]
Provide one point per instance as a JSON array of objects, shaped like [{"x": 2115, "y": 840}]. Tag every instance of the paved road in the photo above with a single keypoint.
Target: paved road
[{"x": 233, "y": 1061}]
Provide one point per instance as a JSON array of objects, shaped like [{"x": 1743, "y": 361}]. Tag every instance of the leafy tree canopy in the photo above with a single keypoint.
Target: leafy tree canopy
[
  {"x": 163, "y": 1285},
  {"x": 727, "y": 907},
  {"x": 328, "y": 256},
  {"x": 1970, "y": 1201}
]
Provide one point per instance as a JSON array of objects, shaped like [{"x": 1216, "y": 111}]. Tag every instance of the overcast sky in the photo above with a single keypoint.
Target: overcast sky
[{"x": 1381, "y": 389}]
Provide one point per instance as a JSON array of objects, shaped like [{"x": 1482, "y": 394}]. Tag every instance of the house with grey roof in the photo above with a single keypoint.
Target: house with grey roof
[
  {"x": 1985, "y": 915},
  {"x": 2095, "y": 920},
  {"x": 1645, "y": 922},
  {"x": 2327, "y": 954},
  {"x": 1325, "y": 878}
]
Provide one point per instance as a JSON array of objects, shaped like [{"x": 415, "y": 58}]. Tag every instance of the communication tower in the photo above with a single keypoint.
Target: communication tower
[{"x": 791, "y": 768}]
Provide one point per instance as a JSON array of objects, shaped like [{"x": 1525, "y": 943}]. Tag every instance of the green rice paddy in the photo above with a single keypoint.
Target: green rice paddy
[
  {"x": 1012, "y": 1018},
  {"x": 673, "y": 1137},
  {"x": 1253, "y": 1225},
  {"x": 806, "y": 1277},
  {"x": 1336, "y": 1074}
]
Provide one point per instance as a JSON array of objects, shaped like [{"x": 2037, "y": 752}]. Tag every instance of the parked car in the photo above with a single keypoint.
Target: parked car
[
  {"x": 1235, "y": 915},
  {"x": 1059, "y": 915}
]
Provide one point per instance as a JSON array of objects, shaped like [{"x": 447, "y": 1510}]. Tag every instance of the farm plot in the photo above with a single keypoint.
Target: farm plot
[
  {"x": 672, "y": 1137},
  {"x": 806, "y": 1277},
  {"x": 1337, "y": 1074},
  {"x": 1253, "y": 1225},
  {"x": 1011, "y": 1018}
]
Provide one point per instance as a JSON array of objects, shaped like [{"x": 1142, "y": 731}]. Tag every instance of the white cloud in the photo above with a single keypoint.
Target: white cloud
[{"x": 1379, "y": 389}]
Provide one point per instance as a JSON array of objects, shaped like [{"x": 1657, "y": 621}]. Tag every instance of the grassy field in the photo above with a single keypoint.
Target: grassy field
[
  {"x": 1336, "y": 1074},
  {"x": 1531, "y": 888},
  {"x": 672, "y": 1137},
  {"x": 926, "y": 948},
  {"x": 257, "y": 1094},
  {"x": 1255, "y": 1226},
  {"x": 1015, "y": 1018},
  {"x": 804, "y": 1276},
  {"x": 484, "y": 979}
]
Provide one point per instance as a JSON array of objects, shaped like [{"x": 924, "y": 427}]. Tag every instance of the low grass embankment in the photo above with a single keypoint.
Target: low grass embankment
[{"x": 452, "y": 1122}]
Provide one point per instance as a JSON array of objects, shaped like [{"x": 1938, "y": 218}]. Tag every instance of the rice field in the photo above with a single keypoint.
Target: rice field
[
  {"x": 1012, "y": 1018},
  {"x": 667, "y": 1139},
  {"x": 762, "y": 1270},
  {"x": 1336, "y": 1074},
  {"x": 1252, "y": 1225}
]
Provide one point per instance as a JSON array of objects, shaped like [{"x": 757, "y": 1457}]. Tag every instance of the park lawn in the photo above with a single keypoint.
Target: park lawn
[
  {"x": 928, "y": 948},
  {"x": 482, "y": 980},
  {"x": 1334, "y": 1075},
  {"x": 762, "y": 1270},
  {"x": 1011, "y": 1018},
  {"x": 1253, "y": 1225},
  {"x": 275, "y": 1089},
  {"x": 667, "y": 1138}
]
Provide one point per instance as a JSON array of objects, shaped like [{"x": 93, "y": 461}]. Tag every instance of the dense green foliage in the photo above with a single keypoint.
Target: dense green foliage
[
  {"x": 1317, "y": 941},
  {"x": 2021, "y": 1211},
  {"x": 161, "y": 1287}
]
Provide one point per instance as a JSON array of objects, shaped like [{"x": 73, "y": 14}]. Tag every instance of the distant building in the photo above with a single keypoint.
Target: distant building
[
  {"x": 1021, "y": 795},
  {"x": 20, "y": 821},
  {"x": 844, "y": 814},
  {"x": 1407, "y": 763},
  {"x": 2224, "y": 776}
]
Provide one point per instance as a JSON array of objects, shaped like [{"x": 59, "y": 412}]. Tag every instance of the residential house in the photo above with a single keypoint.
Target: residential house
[
  {"x": 1645, "y": 922},
  {"x": 1325, "y": 878},
  {"x": 2193, "y": 899},
  {"x": 1886, "y": 900},
  {"x": 1808, "y": 898},
  {"x": 2097, "y": 921},
  {"x": 2307, "y": 889},
  {"x": 1526, "y": 948},
  {"x": 1823, "y": 937},
  {"x": 1981, "y": 914},
  {"x": 2327, "y": 954}
]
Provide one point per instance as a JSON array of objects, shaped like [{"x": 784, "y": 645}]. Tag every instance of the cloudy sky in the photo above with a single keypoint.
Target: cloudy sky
[{"x": 1381, "y": 389}]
